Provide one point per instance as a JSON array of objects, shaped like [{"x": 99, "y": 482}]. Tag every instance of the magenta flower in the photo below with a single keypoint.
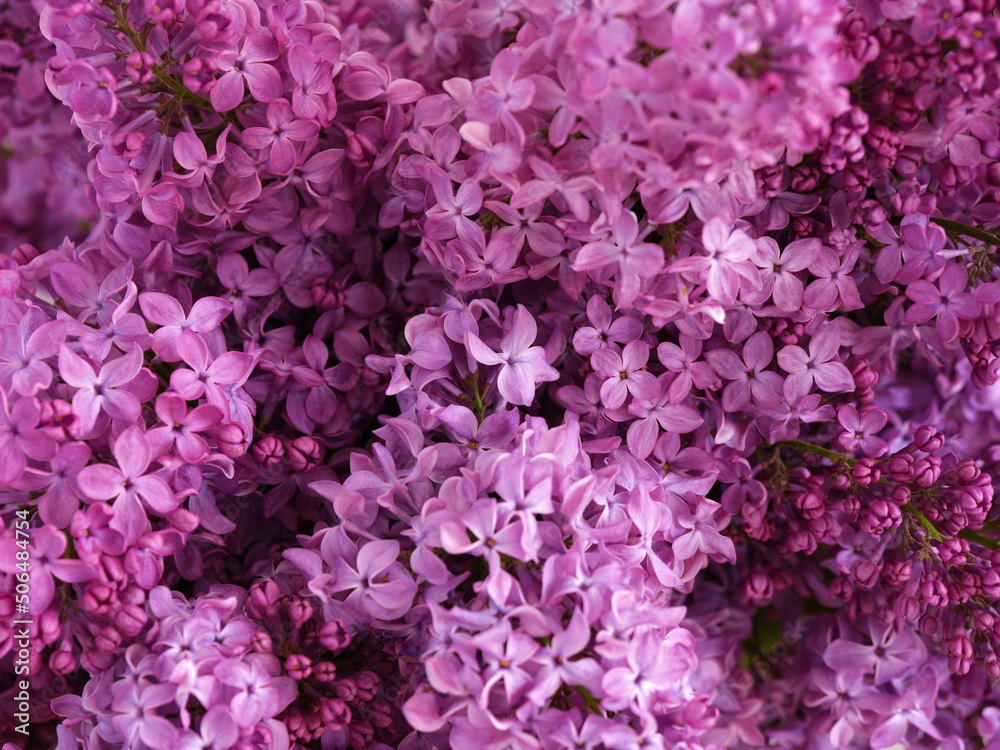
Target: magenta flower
[
  {"x": 165, "y": 311},
  {"x": 655, "y": 664},
  {"x": 604, "y": 332},
  {"x": 179, "y": 429},
  {"x": 282, "y": 132},
  {"x": 103, "y": 390},
  {"x": 860, "y": 431},
  {"x": 250, "y": 66},
  {"x": 779, "y": 271},
  {"x": 136, "y": 714},
  {"x": 727, "y": 261},
  {"x": 749, "y": 379},
  {"x": 20, "y": 438},
  {"x": 46, "y": 555},
  {"x": 377, "y": 583},
  {"x": 207, "y": 376},
  {"x": 948, "y": 301},
  {"x": 819, "y": 366},
  {"x": 128, "y": 484},
  {"x": 625, "y": 373},
  {"x": 23, "y": 350},
  {"x": 894, "y": 650},
  {"x": 62, "y": 496},
  {"x": 622, "y": 256},
  {"x": 522, "y": 366},
  {"x": 685, "y": 361}
]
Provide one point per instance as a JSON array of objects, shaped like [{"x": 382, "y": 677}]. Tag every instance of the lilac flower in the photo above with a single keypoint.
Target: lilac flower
[
  {"x": 655, "y": 665},
  {"x": 128, "y": 484},
  {"x": 748, "y": 377},
  {"x": 895, "y": 651},
  {"x": 624, "y": 257},
  {"x": 820, "y": 365},
  {"x": 683, "y": 360},
  {"x": 259, "y": 695},
  {"x": 249, "y": 65},
  {"x": 180, "y": 428},
  {"x": 948, "y": 302},
  {"x": 46, "y": 554},
  {"x": 135, "y": 716},
  {"x": 557, "y": 667},
  {"x": 522, "y": 366},
  {"x": 103, "y": 390},
  {"x": 727, "y": 261},
  {"x": 859, "y": 431},
  {"x": 604, "y": 332},
  {"x": 625, "y": 373},
  {"x": 778, "y": 269},
  {"x": 20, "y": 439},
  {"x": 23, "y": 350},
  {"x": 165, "y": 311},
  {"x": 280, "y": 135},
  {"x": 208, "y": 376}
]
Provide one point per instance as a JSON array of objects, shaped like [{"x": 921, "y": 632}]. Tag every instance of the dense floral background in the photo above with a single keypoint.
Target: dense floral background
[{"x": 499, "y": 374}]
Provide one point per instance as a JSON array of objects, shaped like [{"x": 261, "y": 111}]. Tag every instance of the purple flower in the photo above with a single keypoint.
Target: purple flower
[
  {"x": 859, "y": 431},
  {"x": 624, "y": 257},
  {"x": 180, "y": 427},
  {"x": 727, "y": 261},
  {"x": 20, "y": 439},
  {"x": 749, "y": 378},
  {"x": 625, "y": 373},
  {"x": 103, "y": 390},
  {"x": 778, "y": 269},
  {"x": 280, "y": 135},
  {"x": 820, "y": 365},
  {"x": 249, "y": 65},
  {"x": 23, "y": 350},
  {"x": 948, "y": 301},
  {"x": 46, "y": 556},
  {"x": 895, "y": 650},
  {"x": 258, "y": 694},
  {"x": 522, "y": 366},
  {"x": 128, "y": 484}
]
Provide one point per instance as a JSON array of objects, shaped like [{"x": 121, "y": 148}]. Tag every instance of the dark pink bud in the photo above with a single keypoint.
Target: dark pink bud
[
  {"x": 928, "y": 625},
  {"x": 967, "y": 471},
  {"x": 928, "y": 439},
  {"x": 231, "y": 440},
  {"x": 865, "y": 573},
  {"x": 325, "y": 671},
  {"x": 852, "y": 505},
  {"x": 991, "y": 583},
  {"x": 865, "y": 472},
  {"x": 960, "y": 654},
  {"x": 107, "y": 639},
  {"x": 97, "y": 598},
  {"x": 299, "y": 612},
  {"x": 261, "y": 642},
  {"x": 131, "y": 619},
  {"x": 907, "y": 607},
  {"x": 864, "y": 377},
  {"x": 841, "y": 588},
  {"x": 49, "y": 627},
  {"x": 810, "y": 505},
  {"x": 305, "y": 453},
  {"x": 927, "y": 470},
  {"x": 62, "y": 662},
  {"x": 298, "y": 667},
  {"x": 269, "y": 451},
  {"x": 900, "y": 467},
  {"x": 333, "y": 635},
  {"x": 327, "y": 294},
  {"x": 900, "y": 494}
]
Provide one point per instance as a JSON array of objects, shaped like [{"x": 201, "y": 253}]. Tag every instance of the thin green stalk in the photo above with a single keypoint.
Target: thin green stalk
[{"x": 959, "y": 228}]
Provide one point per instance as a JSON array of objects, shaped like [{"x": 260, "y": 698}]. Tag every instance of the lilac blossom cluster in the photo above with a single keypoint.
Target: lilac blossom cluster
[{"x": 526, "y": 375}]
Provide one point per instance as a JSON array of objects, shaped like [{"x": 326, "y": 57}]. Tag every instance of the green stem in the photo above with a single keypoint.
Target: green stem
[
  {"x": 837, "y": 458},
  {"x": 589, "y": 699},
  {"x": 959, "y": 228},
  {"x": 928, "y": 526}
]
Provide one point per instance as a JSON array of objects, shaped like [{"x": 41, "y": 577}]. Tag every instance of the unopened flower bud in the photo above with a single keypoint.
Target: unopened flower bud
[
  {"x": 62, "y": 662},
  {"x": 865, "y": 573},
  {"x": 967, "y": 471},
  {"x": 865, "y": 472},
  {"x": 327, "y": 294},
  {"x": 268, "y": 451},
  {"x": 333, "y": 635},
  {"x": 261, "y": 642},
  {"x": 900, "y": 494},
  {"x": 900, "y": 467},
  {"x": 928, "y": 439},
  {"x": 325, "y": 671},
  {"x": 305, "y": 453},
  {"x": 841, "y": 588},
  {"x": 231, "y": 440},
  {"x": 809, "y": 504},
  {"x": 907, "y": 607},
  {"x": 927, "y": 470},
  {"x": 298, "y": 667}
]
